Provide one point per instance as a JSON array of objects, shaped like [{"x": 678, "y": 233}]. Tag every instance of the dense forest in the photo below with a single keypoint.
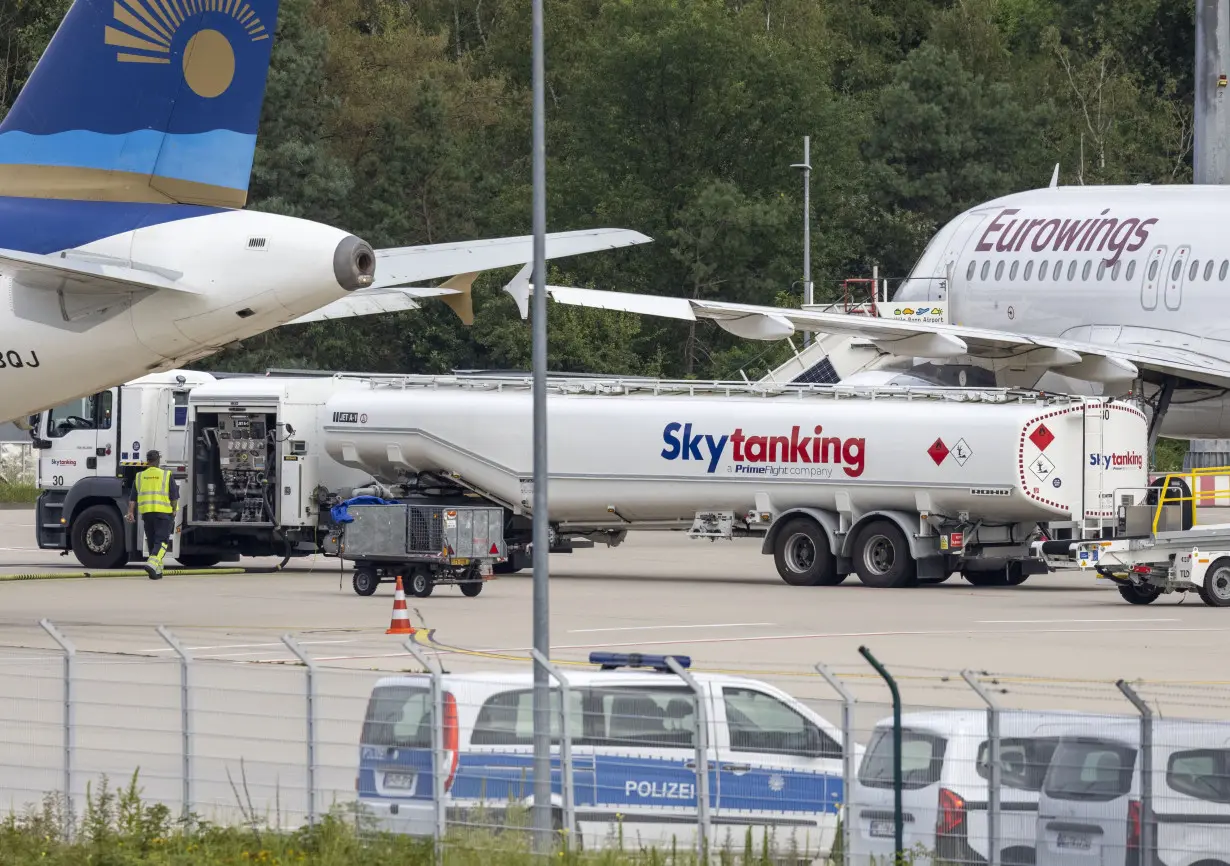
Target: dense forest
[{"x": 407, "y": 121}]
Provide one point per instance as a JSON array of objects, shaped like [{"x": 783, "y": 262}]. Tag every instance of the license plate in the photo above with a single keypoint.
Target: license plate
[
  {"x": 883, "y": 828},
  {"x": 399, "y": 781},
  {"x": 1074, "y": 841},
  {"x": 459, "y": 561}
]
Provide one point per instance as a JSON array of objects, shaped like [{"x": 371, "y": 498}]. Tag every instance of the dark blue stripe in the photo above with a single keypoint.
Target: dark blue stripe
[{"x": 35, "y": 225}]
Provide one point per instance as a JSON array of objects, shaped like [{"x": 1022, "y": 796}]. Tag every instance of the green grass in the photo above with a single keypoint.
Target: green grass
[{"x": 18, "y": 494}]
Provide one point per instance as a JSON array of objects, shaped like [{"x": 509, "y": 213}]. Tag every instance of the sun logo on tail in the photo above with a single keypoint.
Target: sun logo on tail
[{"x": 145, "y": 30}]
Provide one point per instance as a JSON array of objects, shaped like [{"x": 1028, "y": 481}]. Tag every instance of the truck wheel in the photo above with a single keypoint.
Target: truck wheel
[
  {"x": 197, "y": 560},
  {"x": 421, "y": 583},
  {"x": 802, "y": 556},
  {"x": 365, "y": 581},
  {"x": 882, "y": 556},
  {"x": 1016, "y": 574},
  {"x": 1139, "y": 594},
  {"x": 98, "y": 538},
  {"x": 1216, "y": 589}
]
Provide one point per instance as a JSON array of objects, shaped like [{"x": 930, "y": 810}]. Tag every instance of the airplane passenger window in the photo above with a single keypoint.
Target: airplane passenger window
[
  {"x": 999, "y": 271},
  {"x": 1057, "y": 273},
  {"x": 1221, "y": 275},
  {"x": 969, "y": 272},
  {"x": 1085, "y": 270},
  {"x": 1012, "y": 270},
  {"x": 1101, "y": 270},
  {"x": 1114, "y": 272},
  {"x": 1208, "y": 270},
  {"x": 1029, "y": 268},
  {"x": 986, "y": 269},
  {"x": 1153, "y": 269},
  {"x": 1131, "y": 270},
  {"x": 1194, "y": 269},
  {"x": 1176, "y": 270},
  {"x": 1071, "y": 271},
  {"x": 1042, "y": 270}
]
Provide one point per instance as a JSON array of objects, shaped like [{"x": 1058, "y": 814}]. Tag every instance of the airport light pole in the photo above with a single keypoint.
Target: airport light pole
[
  {"x": 805, "y": 165},
  {"x": 541, "y": 540}
]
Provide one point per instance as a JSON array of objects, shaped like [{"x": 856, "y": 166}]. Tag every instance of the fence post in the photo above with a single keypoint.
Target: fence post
[
  {"x": 70, "y": 655},
  {"x": 293, "y": 646},
  {"x": 994, "y": 767},
  {"x": 1148, "y": 827},
  {"x": 898, "y": 814},
  {"x": 437, "y": 747},
  {"x": 566, "y": 781},
  {"x": 185, "y": 714},
  {"x": 702, "y": 757},
  {"x": 847, "y": 756}
]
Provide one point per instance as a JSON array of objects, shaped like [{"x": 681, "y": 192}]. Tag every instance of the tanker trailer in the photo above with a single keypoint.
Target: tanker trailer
[{"x": 895, "y": 485}]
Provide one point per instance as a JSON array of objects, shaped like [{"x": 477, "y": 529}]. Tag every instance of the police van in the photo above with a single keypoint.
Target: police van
[{"x": 774, "y": 764}]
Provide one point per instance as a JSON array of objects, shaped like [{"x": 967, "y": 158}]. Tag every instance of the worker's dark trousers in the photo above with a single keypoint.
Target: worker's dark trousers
[{"x": 158, "y": 534}]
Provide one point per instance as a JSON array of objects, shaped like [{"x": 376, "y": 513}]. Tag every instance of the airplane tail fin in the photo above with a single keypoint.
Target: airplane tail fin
[{"x": 143, "y": 101}]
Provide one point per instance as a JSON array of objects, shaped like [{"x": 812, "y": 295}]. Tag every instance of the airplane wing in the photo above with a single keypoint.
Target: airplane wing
[
  {"x": 1132, "y": 356},
  {"x": 370, "y": 302},
  {"x": 404, "y": 265}
]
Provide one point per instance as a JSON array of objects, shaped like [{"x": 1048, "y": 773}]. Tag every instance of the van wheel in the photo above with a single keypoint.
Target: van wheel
[
  {"x": 1139, "y": 594},
  {"x": 365, "y": 581},
  {"x": 98, "y": 538},
  {"x": 1216, "y": 589},
  {"x": 882, "y": 556},
  {"x": 802, "y": 555}
]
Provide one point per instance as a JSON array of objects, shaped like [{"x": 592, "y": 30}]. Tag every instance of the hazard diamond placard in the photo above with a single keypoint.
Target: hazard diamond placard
[
  {"x": 1042, "y": 437},
  {"x": 1042, "y": 467},
  {"x": 938, "y": 451}
]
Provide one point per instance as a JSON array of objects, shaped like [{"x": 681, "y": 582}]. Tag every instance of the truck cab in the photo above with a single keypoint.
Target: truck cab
[{"x": 90, "y": 450}]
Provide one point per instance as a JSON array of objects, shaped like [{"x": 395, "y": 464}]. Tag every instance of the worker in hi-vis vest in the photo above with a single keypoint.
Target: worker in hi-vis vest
[{"x": 156, "y": 495}]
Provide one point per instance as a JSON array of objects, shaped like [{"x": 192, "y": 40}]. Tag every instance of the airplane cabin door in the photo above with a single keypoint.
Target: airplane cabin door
[
  {"x": 1175, "y": 277},
  {"x": 947, "y": 274},
  {"x": 1151, "y": 277}
]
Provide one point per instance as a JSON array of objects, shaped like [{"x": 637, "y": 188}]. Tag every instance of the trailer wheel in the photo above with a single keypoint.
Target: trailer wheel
[
  {"x": 421, "y": 583},
  {"x": 471, "y": 588},
  {"x": 1139, "y": 594},
  {"x": 802, "y": 556},
  {"x": 365, "y": 580},
  {"x": 882, "y": 556},
  {"x": 1216, "y": 589},
  {"x": 98, "y": 537}
]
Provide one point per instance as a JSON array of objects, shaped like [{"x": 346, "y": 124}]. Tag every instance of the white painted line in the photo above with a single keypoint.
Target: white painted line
[
  {"x": 1061, "y": 621},
  {"x": 670, "y": 627},
  {"x": 227, "y": 646}
]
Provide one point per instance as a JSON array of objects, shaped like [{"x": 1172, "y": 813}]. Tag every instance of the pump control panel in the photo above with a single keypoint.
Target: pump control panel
[{"x": 233, "y": 466}]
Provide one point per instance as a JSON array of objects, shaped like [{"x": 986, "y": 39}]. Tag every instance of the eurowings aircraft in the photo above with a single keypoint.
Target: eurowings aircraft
[
  {"x": 1077, "y": 289},
  {"x": 124, "y": 168}
]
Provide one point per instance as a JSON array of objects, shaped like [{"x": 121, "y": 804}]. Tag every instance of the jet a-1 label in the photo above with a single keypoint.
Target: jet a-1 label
[
  {"x": 345, "y": 417},
  {"x": 14, "y": 359}
]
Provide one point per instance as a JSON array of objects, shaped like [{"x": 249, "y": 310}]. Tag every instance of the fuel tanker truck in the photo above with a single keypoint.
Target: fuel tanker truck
[{"x": 896, "y": 485}]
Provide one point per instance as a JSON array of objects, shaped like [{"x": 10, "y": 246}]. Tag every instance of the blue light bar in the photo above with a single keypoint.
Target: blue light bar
[{"x": 614, "y": 661}]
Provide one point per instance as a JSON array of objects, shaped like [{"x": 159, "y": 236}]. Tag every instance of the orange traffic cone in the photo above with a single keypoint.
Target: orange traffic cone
[{"x": 401, "y": 616}]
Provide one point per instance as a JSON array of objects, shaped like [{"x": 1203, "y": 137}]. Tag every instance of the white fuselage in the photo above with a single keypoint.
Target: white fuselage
[
  {"x": 1134, "y": 267},
  {"x": 56, "y": 345}
]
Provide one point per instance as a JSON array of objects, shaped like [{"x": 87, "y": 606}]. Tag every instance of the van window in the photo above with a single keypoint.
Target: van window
[
  {"x": 507, "y": 719},
  {"x": 761, "y": 723},
  {"x": 634, "y": 716},
  {"x": 1090, "y": 770},
  {"x": 398, "y": 716},
  {"x": 1202, "y": 773},
  {"x": 922, "y": 760},
  {"x": 1022, "y": 762}
]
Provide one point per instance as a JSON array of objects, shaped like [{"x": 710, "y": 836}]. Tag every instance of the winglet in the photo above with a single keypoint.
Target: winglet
[
  {"x": 1055, "y": 178},
  {"x": 519, "y": 288},
  {"x": 461, "y": 303}
]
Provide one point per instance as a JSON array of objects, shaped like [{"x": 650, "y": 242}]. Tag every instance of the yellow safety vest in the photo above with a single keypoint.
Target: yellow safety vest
[{"x": 154, "y": 491}]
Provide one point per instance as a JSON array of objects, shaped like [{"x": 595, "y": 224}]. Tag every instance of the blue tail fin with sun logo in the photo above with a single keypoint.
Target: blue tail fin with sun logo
[{"x": 143, "y": 101}]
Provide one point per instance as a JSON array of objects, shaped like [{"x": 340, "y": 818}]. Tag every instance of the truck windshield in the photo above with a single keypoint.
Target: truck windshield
[
  {"x": 398, "y": 716},
  {"x": 84, "y": 413}
]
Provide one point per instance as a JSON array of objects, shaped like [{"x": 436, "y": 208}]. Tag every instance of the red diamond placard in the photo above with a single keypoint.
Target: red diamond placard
[
  {"x": 1041, "y": 437},
  {"x": 938, "y": 451}
]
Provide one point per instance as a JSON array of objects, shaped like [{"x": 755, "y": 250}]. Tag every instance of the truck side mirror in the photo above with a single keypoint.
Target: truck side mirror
[{"x": 40, "y": 444}]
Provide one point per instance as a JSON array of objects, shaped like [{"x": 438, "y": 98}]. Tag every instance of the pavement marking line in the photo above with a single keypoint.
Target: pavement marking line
[
  {"x": 228, "y": 646},
  {"x": 1060, "y": 621},
  {"x": 670, "y": 627}
]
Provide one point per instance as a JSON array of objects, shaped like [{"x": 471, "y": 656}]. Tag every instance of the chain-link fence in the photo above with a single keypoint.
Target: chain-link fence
[
  {"x": 18, "y": 463},
  {"x": 993, "y": 769}
]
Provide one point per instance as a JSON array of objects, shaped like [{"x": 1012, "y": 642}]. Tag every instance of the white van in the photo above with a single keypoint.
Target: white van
[
  {"x": 774, "y": 764},
  {"x": 945, "y": 760},
  {"x": 1090, "y": 810}
]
